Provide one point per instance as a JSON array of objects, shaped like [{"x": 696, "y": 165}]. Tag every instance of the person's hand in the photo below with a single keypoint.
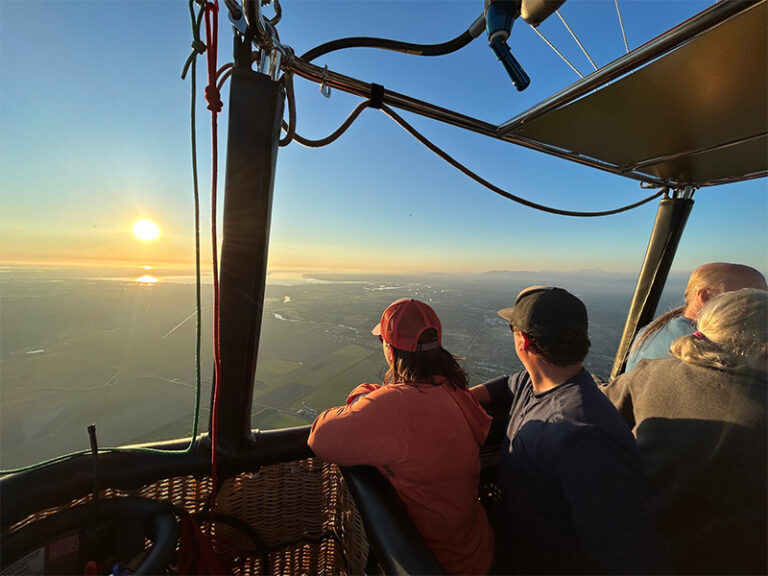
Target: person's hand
[
  {"x": 362, "y": 390},
  {"x": 357, "y": 398}
]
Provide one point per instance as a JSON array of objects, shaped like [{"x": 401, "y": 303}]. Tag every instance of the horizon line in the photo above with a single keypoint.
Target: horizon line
[{"x": 168, "y": 268}]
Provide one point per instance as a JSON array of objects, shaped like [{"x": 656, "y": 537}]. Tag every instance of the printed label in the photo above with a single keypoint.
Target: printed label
[{"x": 63, "y": 547}]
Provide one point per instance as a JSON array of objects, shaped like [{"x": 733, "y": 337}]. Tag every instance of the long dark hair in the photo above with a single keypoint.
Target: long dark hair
[{"x": 424, "y": 366}]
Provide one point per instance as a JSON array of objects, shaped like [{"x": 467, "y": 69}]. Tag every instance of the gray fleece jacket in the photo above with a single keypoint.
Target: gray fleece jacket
[{"x": 702, "y": 437}]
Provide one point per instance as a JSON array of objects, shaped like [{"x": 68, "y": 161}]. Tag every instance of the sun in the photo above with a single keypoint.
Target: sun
[{"x": 146, "y": 230}]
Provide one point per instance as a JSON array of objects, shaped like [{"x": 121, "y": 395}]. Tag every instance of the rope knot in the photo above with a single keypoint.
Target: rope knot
[
  {"x": 213, "y": 97},
  {"x": 210, "y": 7},
  {"x": 199, "y": 47}
]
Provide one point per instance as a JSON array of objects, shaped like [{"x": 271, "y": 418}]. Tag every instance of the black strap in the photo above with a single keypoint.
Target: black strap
[{"x": 377, "y": 96}]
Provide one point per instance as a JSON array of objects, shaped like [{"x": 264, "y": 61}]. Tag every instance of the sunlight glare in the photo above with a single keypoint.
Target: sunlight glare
[
  {"x": 146, "y": 230},
  {"x": 147, "y": 279}
]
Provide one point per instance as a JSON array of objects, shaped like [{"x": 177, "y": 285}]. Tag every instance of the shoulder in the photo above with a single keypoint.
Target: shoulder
[
  {"x": 509, "y": 380},
  {"x": 658, "y": 384},
  {"x": 680, "y": 325},
  {"x": 570, "y": 404},
  {"x": 393, "y": 392},
  {"x": 655, "y": 370},
  {"x": 507, "y": 384},
  {"x": 599, "y": 432},
  {"x": 579, "y": 388},
  {"x": 591, "y": 409},
  {"x": 385, "y": 404},
  {"x": 677, "y": 322},
  {"x": 518, "y": 381},
  {"x": 647, "y": 372},
  {"x": 656, "y": 345},
  {"x": 374, "y": 400}
]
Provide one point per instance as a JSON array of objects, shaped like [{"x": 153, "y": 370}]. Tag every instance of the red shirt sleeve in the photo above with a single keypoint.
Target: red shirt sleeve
[
  {"x": 369, "y": 432},
  {"x": 361, "y": 390}
]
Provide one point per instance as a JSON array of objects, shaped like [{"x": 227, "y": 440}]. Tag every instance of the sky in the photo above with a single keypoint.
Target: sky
[{"x": 95, "y": 135}]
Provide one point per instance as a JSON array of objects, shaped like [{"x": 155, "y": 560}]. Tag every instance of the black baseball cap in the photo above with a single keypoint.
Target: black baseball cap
[{"x": 546, "y": 312}]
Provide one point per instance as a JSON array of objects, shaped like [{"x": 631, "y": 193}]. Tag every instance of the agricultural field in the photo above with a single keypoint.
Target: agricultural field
[{"x": 122, "y": 355}]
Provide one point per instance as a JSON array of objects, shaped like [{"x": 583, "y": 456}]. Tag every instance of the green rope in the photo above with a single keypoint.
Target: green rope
[
  {"x": 196, "y": 44},
  {"x": 46, "y": 462},
  {"x": 198, "y": 47}
]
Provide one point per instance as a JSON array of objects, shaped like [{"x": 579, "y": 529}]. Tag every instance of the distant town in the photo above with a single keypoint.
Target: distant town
[{"x": 121, "y": 354}]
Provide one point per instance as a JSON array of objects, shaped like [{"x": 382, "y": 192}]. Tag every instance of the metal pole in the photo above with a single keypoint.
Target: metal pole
[
  {"x": 255, "y": 113},
  {"x": 667, "y": 230}
]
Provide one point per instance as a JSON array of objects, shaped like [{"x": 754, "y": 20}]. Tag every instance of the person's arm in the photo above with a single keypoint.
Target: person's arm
[
  {"x": 495, "y": 396},
  {"x": 620, "y": 395},
  {"x": 365, "y": 431},
  {"x": 481, "y": 394},
  {"x": 492, "y": 391},
  {"x": 361, "y": 391},
  {"x": 609, "y": 498}
]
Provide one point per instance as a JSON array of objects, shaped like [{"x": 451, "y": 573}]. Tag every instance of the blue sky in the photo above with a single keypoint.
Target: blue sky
[{"x": 94, "y": 134}]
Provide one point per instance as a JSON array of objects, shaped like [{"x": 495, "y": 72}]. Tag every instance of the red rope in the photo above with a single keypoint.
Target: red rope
[
  {"x": 213, "y": 98},
  {"x": 212, "y": 95}
]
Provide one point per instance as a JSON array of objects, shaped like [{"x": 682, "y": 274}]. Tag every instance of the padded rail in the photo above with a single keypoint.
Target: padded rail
[
  {"x": 395, "y": 540},
  {"x": 27, "y": 492}
]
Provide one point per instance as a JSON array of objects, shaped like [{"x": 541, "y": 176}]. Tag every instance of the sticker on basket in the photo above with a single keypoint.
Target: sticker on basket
[{"x": 63, "y": 547}]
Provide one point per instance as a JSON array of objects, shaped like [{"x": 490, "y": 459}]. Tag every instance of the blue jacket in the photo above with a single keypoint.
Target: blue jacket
[{"x": 657, "y": 344}]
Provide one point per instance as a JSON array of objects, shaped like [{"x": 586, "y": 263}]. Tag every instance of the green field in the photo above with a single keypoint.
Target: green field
[{"x": 121, "y": 355}]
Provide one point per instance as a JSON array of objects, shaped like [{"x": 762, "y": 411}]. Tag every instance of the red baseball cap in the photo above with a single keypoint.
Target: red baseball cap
[{"x": 404, "y": 321}]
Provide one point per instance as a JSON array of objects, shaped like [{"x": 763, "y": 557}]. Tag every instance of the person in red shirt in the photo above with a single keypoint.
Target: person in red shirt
[{"x": 422, "y": 430}]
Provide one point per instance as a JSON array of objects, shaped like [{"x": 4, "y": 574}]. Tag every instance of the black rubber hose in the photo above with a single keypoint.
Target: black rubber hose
[
  {"x": 160, "y": 526},
  {"x": 457, "y": 43}
]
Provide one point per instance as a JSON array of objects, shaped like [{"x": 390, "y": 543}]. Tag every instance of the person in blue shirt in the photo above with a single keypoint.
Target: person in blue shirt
[
  {"x": 706, "y": 282},
  {"x": 574, "y": 495}
]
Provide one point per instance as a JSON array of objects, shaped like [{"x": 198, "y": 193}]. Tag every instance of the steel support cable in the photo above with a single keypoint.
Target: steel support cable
[
  {"x": 556, "y": 51},
  {"x": 621, "y": 25},
  {"x": 576, "y": 39},
  {"x": 480, "y": 180},
  {"x": 397, "y": 46}
]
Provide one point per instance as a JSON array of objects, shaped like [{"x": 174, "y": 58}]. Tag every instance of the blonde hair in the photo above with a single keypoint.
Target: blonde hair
[
  {"x": 717, "y": 277},
  {"x": 732, "y": 332}
]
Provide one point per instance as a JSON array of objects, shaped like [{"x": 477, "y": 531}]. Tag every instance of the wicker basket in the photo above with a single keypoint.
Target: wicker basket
[{"x": 294, "y": 518}]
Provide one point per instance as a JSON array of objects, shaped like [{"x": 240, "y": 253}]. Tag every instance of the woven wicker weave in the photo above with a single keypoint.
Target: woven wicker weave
[
  {"x": 303, "y": 513},
  {"x": 300, "y": 510}
]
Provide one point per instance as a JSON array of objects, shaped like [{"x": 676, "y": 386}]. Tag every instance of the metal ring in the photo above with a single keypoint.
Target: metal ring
[{"x": 325, "y": 90}]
